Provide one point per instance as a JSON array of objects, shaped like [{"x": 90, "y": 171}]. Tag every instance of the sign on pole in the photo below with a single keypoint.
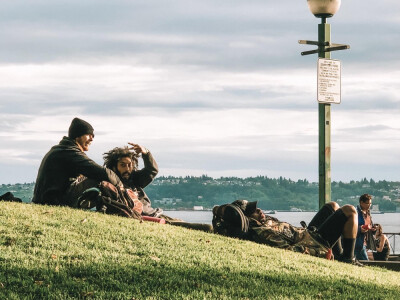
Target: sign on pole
[{"x": 329, "y": 80}]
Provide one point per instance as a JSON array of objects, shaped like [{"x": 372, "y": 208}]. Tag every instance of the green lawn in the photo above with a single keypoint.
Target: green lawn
[{"x": 59, "y": 253}]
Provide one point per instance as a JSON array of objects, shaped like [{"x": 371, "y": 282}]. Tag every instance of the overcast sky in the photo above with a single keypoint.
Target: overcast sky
[{"x": 210, "y": 87}]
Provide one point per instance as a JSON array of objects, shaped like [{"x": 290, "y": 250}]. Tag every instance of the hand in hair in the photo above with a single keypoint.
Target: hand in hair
[{"x": 138, "y": 149}]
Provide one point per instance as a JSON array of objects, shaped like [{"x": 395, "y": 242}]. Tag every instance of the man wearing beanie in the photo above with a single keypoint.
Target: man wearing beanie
[{"x": 66, "y": 171}]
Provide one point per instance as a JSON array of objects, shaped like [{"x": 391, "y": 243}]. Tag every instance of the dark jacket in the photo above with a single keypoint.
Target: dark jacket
[
  {"x": 361, "y": 237},
  {"x": 139, "y": 179},
  {"x": 60, "y": 167}
]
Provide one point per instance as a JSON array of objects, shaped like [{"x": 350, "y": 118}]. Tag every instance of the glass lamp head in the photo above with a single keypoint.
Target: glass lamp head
[{"x": 324, "y": 8}]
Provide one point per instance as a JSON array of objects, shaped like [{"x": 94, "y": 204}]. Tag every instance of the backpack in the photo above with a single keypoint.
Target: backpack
[
  {"x": 9, "y": 197},
  {"x": 229, "y": 220},
  {"x": 111, "y": 199}
]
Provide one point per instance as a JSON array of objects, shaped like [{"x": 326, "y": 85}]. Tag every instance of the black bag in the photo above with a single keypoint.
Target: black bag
[
  {"x": 371, "y": 245},
  {"x": 114, "y": 200},
  {"x": 229, "y": 220},
  {"x": 9, "y": 197}
]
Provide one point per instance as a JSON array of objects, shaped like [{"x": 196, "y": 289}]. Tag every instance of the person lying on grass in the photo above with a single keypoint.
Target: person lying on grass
[{"x": 244, "y": 220}]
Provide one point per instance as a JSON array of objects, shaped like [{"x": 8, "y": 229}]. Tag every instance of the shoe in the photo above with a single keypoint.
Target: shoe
[{"x": 351, "y": 261}]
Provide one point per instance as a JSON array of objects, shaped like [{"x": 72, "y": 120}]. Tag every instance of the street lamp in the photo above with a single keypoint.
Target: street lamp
[{"x": 324, "y": 9}]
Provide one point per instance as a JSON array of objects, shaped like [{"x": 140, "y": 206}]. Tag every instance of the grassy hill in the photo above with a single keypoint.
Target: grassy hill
[{"x": 59, "y": 253}]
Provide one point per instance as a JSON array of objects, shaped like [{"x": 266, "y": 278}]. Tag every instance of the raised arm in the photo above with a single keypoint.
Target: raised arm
[{"x": 143, "y": 177}]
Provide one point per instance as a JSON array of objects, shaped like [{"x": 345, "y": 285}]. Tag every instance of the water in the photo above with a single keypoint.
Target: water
[{"x": 390, "y": 221}]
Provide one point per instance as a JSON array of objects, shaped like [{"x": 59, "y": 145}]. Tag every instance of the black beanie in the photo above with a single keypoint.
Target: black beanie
[{"x": 78, "y": 128}]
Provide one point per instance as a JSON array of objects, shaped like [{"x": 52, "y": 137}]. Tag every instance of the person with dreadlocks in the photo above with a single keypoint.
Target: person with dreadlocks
[{"x": 124, "y": 162}]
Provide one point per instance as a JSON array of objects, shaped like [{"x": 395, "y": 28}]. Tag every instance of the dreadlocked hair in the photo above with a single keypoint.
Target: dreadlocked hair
[{"x": 112, "y": 157}]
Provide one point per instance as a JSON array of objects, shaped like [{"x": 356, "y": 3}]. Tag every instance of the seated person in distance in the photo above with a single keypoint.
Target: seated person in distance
[
  {"x": 382, "y": 244},
  {"x": 243, "y": 219}
]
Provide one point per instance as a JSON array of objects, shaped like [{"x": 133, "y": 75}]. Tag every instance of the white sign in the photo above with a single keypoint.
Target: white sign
[{"x": 329, "y": 80}]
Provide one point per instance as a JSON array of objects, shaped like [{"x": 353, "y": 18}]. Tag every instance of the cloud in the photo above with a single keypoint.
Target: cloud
[{"x": 210, "y": 87}]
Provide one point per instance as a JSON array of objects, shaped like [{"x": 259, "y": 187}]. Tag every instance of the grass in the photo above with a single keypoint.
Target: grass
[{"x": 60, "y": 253}]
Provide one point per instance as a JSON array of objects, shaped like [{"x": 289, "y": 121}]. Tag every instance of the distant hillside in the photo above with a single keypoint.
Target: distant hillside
[{"x": 272, "y": 193}]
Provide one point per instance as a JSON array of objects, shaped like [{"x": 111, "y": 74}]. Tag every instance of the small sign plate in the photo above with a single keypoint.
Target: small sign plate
[{"x": 329, "y": 81}]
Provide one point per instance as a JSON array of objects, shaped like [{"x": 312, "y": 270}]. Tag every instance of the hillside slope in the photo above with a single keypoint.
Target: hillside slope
[{"x": 60, "y": 253}]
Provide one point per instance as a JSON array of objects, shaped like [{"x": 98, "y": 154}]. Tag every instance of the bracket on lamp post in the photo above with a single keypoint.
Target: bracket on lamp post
[{"x": 323, "y": 47}]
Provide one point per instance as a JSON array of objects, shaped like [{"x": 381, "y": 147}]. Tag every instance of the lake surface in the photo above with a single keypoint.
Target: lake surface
[{"x": 390, "y": 221}]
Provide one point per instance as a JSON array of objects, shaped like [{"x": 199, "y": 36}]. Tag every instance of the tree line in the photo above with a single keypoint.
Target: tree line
[
  {"x": 271, "y": 193},
  {"x": 170, "y": 192}
]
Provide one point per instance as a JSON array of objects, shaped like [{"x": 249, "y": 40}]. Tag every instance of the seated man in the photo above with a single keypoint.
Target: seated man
[
  {"x": 243, "y": 219},
  {"x": 66, "y": 171},
  {"x": 125, "y": 164}
]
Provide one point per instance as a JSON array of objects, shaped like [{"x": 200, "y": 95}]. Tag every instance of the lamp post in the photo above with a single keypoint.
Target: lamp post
[{"x": 324, "y": 9}]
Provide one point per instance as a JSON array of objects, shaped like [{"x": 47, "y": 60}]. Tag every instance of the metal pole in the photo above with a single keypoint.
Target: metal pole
[{"x": 324, "y": 112}]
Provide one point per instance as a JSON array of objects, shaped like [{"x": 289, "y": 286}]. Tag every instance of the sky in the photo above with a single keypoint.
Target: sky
[{"x": 209, "y": 87}]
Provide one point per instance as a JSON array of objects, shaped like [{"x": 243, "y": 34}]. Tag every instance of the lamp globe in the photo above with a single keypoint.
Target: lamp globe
[{"x": 324, "y": 8}]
